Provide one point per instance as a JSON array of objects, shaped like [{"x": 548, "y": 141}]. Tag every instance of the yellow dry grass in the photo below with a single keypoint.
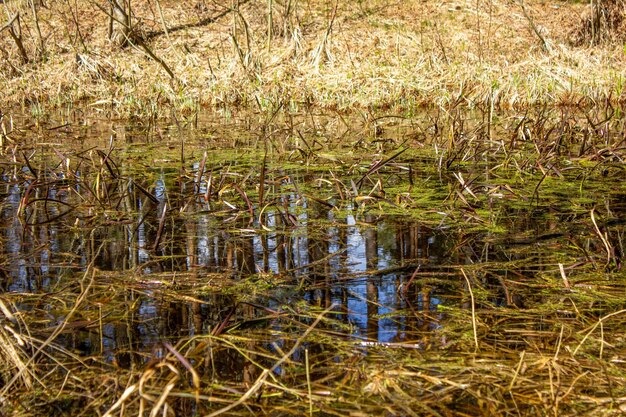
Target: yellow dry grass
[{"x": 367, "y": 54}]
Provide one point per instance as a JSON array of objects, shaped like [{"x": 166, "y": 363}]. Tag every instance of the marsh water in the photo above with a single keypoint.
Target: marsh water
[{"x": 435, "y": 234}]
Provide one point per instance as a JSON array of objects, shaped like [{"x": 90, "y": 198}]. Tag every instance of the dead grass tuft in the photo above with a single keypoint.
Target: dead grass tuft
[
  {"x": 604, "y": 23},
  {"x": 366, "y": 54}
]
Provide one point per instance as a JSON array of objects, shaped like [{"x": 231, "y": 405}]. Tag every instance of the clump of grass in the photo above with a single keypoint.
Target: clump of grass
[
  {"x": 603, "y": 23},
  {"x": 14, "y": 360},
  {"x": 365, "y": 55}
]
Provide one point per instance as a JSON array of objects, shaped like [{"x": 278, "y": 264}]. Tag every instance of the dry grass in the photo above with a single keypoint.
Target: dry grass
[{"x": 367, "y": 54}]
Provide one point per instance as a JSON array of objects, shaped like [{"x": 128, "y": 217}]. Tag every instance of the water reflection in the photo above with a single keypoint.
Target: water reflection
[
  {"x": 333, "y": 257},
  {"x": 361, "y": 263},
  {"x": 161, "y": 238}
]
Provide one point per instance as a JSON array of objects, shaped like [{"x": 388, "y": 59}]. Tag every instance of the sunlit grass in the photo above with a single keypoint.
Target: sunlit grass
[{"x": 372, "y": 55}]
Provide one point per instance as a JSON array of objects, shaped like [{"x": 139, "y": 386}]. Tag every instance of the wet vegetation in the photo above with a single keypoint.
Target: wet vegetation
[
  {"x": 448, "y": 263},
  {"x": 312, "y": 207}
]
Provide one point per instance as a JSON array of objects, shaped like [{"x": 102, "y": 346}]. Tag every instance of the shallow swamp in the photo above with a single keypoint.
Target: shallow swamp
[{"x": 445, "y": 263}]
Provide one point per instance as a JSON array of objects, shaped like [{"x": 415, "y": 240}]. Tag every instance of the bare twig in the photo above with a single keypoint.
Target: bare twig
[
  {"x": 544, "y": 43},
  {"x": 474, "y": 327},
  {"x": 16, "y": 35}
]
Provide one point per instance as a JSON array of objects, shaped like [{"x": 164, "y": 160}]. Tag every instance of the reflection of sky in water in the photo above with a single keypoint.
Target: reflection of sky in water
[
  {"x": 142, "y": 252},
  {"x": 159, "y": 189},
  {"x": 149, "y": 314},
  {"x": 341, "y": 241},
  {"x": 205, "y": 238},
  {"x": 356, "y": 248},
  {"x": 357, "y": 305},
  {"x": 13, "y": 240}
]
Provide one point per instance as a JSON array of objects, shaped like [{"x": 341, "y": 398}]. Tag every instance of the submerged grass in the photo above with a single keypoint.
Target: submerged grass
[{"x": 441, "y": 265}]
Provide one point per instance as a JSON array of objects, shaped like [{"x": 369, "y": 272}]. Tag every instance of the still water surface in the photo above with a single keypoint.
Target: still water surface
[{"x": 185, "y": 241}]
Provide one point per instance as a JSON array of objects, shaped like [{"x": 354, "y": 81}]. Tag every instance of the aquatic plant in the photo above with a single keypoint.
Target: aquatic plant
[{"x": 446, "y": 264}]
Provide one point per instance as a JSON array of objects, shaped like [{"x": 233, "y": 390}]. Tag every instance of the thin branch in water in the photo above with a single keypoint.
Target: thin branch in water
[
  {"x": 161, "y": 227},
  {"x": 474, "y": 326}
]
